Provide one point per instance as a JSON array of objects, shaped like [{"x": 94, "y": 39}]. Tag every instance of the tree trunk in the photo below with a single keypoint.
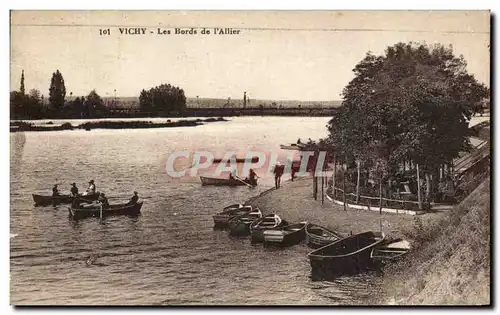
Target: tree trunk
[
  {"x": 334, "y": 174},
  {"x": 343, "y": 187},
  {"x": 358, "y": 162},
  {"x": 419, "y": 198},
  {"x": 380, "y": 193}
]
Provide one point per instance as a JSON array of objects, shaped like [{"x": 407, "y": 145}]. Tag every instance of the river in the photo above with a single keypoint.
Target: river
[{"x": 170, "y": 254}]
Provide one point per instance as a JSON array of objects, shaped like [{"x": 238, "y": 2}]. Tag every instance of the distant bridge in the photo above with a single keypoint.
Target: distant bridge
[{"x": 249, "y": 111}]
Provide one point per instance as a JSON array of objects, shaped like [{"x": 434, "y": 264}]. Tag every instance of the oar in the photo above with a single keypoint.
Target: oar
[{"x": 236, "y": 177}]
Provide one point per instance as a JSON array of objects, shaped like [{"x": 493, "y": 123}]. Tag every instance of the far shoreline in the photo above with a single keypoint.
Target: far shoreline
[{"x": 21, "y": 126}]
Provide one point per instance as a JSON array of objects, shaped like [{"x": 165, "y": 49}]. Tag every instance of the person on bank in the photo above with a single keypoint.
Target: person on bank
[
  {"x": 252, "y": 177},
  {"x": 103, "y": 200},
  {"x": 278, "y": 172},
  {"x": 55, "y": 191},
  {"x": 74, "y": 190},
  {"x": 134, "y": 199},
  {"x": 91, "y": 190}
]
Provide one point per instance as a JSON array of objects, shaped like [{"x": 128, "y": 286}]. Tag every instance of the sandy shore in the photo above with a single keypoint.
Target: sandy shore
[{"x": 294, "y": 202}]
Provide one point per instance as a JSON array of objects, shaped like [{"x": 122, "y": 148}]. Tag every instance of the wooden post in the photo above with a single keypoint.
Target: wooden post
[
  {"x": 315, "y": 187},
  {"x": 358, "y": 162},
  {"x": 334, "y": 173},
  {"x": 380, "y": 193},
  {"x": 322, "y": 189},
  {"x": 343, "y": 187},
  {"x": 419, "y": 198}
]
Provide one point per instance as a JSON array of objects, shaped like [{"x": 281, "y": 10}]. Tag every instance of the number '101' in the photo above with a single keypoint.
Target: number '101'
[{"x": 105, "y": 31}]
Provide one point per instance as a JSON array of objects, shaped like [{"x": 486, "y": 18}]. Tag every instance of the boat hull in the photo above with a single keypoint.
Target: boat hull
[
  {"x": 80, "y": 213},
  {"x": 41, "y": 200},
  {"x": 221, "y": 220},
  {"x": 350, "y": 255},
  {"x": 258, "y": 227},
  {"x": 316, "y": 241},
  {"x": 287, "y": 236},
  {"x": 211, "y": 181},
  {"x": 240, "y": 225}
]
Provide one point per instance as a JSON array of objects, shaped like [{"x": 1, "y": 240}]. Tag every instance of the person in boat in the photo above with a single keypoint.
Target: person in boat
[
  {"x": 91, "y": 190},
  {"x": 74, "y": 190},
  {"x": 252, "y": 177},
  {"x": 55, "y": 191},
  {"x": 134, "y": 199},
  {"x": 103, "y": 200}
]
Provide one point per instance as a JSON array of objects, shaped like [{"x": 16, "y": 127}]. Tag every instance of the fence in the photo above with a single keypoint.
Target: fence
[{"x": 373, "y": 202}]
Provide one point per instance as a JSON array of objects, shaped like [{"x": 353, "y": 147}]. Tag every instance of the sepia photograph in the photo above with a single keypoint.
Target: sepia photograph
[{"x": 250, "y": 158}]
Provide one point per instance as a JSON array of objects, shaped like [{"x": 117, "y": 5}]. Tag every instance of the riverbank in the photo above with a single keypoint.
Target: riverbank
[
  {"x": 294, "y": 202},
  {"x": 450, "y": 263},
  {"x": 450, "y": 258},
  {"x": 17, "y": 126}
]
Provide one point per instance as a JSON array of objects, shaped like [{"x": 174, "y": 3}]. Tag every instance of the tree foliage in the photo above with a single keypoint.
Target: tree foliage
[
  {"x": 57, "y": 91},
  {"x": 164, "y": 99},
  {"x": 22, "y": 88},
  {"x": 414, "y": 102}
]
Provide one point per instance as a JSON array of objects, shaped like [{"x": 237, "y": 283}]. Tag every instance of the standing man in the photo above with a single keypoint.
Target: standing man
[{"x": 278, "y": 172}]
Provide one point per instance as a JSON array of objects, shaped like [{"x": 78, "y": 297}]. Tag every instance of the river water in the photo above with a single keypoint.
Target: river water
[{"x": 170, "y": 254}]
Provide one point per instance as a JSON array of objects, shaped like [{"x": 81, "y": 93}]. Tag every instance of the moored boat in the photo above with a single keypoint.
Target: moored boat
[
  {"x": 95, "y": 210},
  {"x": 240, "y": 225},
  {"x": 390, "y": 251},
  {"x": 41, "y": 200},
  {"x": 286, "y": 236},
  {"x": 257, "y": 228},
  {"x": 292, "y": 146},
  {"x": 222, "y": 181},
  {"x": 222, "y": 219},
  {"x": 318, "y": 236},
  {"x": 347, "y": 256}
]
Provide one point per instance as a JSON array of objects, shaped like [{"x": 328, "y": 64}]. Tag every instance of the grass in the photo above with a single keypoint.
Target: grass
[{"x": 450, "y": 258}]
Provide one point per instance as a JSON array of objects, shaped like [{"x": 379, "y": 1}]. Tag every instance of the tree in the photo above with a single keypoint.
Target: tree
[
  {"x": 21, "y": 88},
  {"x": 57, "y": 92},
  {"x": 164, "y": 99},
  {"x": 414, "y": 102}
]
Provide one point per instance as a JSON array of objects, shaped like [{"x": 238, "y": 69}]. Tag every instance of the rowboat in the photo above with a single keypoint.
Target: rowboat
[
  {"x": 222, "y": 181},
  {"x": 390, "y": 251},
  {"x": 318, "y": 236},
  {"x": 257, "y": 228},
  {"x": 94, "y": 210},
  {"x": 347, "y": 256},
  {"x": 240, "y": 225},
  {"x": 49, "y": 200},
  {"x": 254, "y": 159},
  {"x": 221, "y": 219},
  {"x": 292, "y": 146},
  {"x": 287, "y": 235}
]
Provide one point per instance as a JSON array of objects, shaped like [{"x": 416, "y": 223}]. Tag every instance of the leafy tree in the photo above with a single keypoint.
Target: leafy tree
[
  {"x": 21, "y": 88},
  {"x": 94, "y": 105},
  {"x": 57, "y": 92},
  {"x": 413, "y": 103},
  {"x": 164, "y": 99},
  {"x": 17, "y": 104}
]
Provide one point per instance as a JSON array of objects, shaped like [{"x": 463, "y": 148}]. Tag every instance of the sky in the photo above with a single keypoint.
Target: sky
[{"x": 278, "y": 55}]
